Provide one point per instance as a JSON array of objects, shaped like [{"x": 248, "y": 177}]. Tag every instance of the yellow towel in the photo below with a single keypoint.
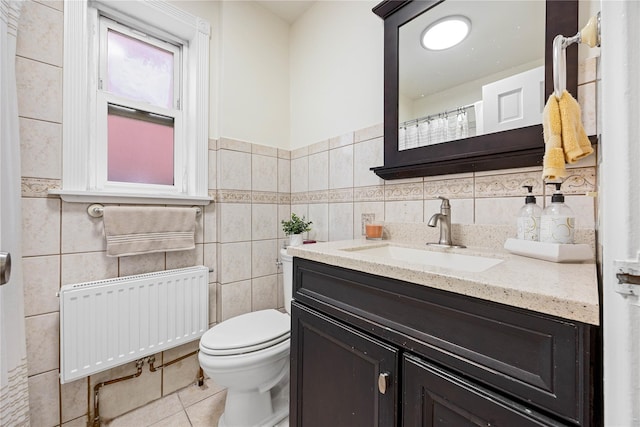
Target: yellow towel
[
  {"x": 575, "y": 142},
  {"x": 564, "y": 136},
  {"x": 553, "y": 162}
]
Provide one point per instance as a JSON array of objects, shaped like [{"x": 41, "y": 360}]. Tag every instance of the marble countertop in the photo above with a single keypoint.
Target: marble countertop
[{"x": 569, "y": 291}]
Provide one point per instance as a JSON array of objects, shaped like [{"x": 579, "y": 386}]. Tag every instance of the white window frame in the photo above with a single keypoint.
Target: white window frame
[
  {"x": 84, "y": 142},
  {"x": 104, "y": 98}
]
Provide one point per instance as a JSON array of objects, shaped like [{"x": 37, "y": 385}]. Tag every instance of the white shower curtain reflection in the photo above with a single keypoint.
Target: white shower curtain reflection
[
  {"x": 435, "y": 128},
  {"x": 462, "y": 125},
  {"x": 411, "y": 136},
  {"x": 424, "y": 136},
  {"x": 14, "y": 397}
]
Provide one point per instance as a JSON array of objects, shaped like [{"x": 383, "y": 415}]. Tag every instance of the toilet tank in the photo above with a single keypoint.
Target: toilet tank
[{"x": 287, "y": 282}]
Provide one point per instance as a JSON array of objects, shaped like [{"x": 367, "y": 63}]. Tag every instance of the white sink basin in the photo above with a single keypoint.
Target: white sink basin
[{"x": 453, "y": 261}]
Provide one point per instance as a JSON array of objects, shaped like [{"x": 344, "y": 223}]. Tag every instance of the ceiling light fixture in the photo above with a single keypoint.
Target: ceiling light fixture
[{"x": 445, "y": 33}]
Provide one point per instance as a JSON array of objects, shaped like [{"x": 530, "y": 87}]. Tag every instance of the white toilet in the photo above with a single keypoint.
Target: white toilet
[{"x": 249, "y": 355}]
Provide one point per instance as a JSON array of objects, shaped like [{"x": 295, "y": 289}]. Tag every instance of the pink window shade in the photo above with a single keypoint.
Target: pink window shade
[
  {"x": 139, "y": 70},
  {"x": 139, "y": 150}
]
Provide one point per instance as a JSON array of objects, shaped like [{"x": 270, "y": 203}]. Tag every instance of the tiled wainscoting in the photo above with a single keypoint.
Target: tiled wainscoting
[{"x": 239, "y": 235}]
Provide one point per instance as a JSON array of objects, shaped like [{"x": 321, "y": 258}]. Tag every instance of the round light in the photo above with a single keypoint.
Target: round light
[{"x": 445, "y": 33}]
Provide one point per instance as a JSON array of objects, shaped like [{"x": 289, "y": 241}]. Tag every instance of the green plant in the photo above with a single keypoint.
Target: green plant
[{"x": 296, "y": 225}]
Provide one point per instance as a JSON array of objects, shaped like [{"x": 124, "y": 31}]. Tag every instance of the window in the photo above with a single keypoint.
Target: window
[
  {"x": 136, "y": 118},
  {"x": 138, "y": 108}
]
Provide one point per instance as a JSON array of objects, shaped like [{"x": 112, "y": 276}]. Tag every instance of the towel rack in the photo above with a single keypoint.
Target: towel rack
[
  {"x": 590, "y": 35},
  {"x": 96, "y": 210}
]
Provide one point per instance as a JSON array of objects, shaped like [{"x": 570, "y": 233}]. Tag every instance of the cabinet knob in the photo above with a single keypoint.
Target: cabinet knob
[{"x": 384, "y": 380}]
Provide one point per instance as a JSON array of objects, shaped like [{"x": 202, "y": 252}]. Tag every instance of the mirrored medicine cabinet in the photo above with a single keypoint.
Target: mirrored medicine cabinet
[{"x": 449, "y": 111}]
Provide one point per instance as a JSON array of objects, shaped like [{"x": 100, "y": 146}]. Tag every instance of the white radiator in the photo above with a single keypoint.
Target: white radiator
[{"x": 106, "y": 323}]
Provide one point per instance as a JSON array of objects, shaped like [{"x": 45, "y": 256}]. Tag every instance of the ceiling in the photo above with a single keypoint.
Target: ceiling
[{"x": 289, "y": 10}]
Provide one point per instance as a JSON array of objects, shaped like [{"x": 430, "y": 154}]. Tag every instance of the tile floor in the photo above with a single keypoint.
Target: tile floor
[{"x": 192, "y": 406}]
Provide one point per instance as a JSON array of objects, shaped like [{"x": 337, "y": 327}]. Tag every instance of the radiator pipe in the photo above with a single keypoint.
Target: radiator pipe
[
  {"x": 96, "y": 390},
  {"x": 139, "y": 363},
  {"x": 151, "y": 360}
]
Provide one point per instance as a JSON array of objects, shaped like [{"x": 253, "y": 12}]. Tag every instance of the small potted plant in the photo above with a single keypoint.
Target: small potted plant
[{"x": 294, "y": 229}]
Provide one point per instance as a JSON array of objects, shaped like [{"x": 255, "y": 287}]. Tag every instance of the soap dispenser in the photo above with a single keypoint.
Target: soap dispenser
[
  {"x": 557, "y": 222},
  {"x": 528, "y": 221}
]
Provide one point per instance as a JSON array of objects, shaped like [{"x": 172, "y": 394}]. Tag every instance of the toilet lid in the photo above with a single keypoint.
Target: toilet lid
[{"x": 247, "y": 332}]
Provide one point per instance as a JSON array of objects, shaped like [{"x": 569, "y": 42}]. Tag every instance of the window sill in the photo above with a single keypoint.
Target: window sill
[{"x": 147, "y": 199}]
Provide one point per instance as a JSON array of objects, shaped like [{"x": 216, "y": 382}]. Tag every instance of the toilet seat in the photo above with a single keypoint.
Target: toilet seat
[{"x": 246, "y": 333}]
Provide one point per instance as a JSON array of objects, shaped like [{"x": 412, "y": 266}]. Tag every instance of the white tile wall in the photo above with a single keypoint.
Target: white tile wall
[
  {"x": 80, "y": 232},
  {"x": 39, "y": 90},
  {"x": 300, "y": 174},
  {"x": 367, "y": 154},
  {"x": 235, "y": 299},
  {"x": 263, "y": 257},
  {"x": 234, "y": 262},
  {"x": 44, "y": 27},
  {"x": 235, "y": 222},
  {"x": 341, "y": 167},
  {"x": 42, "y": 337},
  {"x": 40, "y": 227},
  {"x": 182, "y": 259},
  {"x": 319, "y": 215},
  {"x": 264, "y": 173},
  {"x": 404, "y": 211},
  {"x": 88, "y": 266},
  {"x": 41, "y": 148},
  {"x": 73, "y": 398},
  {"x": 264, "y": 221},
  {"x": 319, "y": 171},
  {"x": 181, "y": 374},
  {"x": 138, "y": 264},
  {"x": 284, "y": 176},
  {"x": 41, "y": 280},
  {"x": 340, "y": 221},
  {"x": 44, "y": 399},
  {"x": 234, "y": 169},
  {"x": 264, "y": 293}
]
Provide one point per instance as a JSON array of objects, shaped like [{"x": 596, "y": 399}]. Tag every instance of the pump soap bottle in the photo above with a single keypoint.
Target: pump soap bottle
[
  {"x": 557, "y": 222},
  {"x": 528, "y": 221}
]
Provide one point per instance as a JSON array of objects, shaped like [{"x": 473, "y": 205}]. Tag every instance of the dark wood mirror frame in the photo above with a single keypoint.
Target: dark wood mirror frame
[{"x": 502, "y": 150}]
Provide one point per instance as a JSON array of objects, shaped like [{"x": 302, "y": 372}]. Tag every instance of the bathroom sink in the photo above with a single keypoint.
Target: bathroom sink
[{"x": 453, "y": 261}]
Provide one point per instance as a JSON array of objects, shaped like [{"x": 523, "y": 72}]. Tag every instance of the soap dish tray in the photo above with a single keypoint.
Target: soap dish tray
[{"x": 554, "y": 252}]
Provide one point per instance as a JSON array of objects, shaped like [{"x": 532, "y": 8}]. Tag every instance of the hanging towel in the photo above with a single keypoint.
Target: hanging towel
[
  {"x": 564, "y": 137},
  {"x": 553, "y": 161},
  {"x": 134, "y": 230},
  {"x": 575, "y": 142}
]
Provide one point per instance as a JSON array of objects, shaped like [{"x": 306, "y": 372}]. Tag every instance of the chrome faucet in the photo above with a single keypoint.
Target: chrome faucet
[{"x": 444, "y": 218}]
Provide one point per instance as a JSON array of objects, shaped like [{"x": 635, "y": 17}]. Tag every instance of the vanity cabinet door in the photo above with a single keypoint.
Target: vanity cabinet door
[
  {"x": 433, "y": 397},
  {"x": 339, "y": 376}
]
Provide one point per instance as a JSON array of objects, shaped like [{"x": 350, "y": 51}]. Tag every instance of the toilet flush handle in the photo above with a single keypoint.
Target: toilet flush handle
[{"x": 384, "y": 381}]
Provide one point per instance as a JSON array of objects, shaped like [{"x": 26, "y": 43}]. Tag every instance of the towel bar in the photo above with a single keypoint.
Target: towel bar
[
  {"x": 96, "y": 210},
  {"x": 590, "y": 35}
]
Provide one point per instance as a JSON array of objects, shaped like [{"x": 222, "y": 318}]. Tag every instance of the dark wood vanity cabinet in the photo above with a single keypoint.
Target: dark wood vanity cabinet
[
  {"x": 339, "y": 368},
  {"x": 367, "y": 350}
]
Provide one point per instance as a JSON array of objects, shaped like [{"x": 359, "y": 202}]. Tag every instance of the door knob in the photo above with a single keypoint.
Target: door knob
[
  {"x": 384, "y": 380},
  {"x": 5, "y": 267}
]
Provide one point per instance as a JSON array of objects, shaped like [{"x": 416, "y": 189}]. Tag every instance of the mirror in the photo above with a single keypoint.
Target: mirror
[
  {"x": 475, "y": 106},
  {"x": 502, "y": 89}
]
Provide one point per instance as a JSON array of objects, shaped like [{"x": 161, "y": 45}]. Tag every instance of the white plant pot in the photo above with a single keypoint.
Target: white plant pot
[{"x": 295, "y": 240}]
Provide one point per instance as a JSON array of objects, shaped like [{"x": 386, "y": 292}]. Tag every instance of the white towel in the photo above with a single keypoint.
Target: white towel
[{"x": 134, "y": 230}]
